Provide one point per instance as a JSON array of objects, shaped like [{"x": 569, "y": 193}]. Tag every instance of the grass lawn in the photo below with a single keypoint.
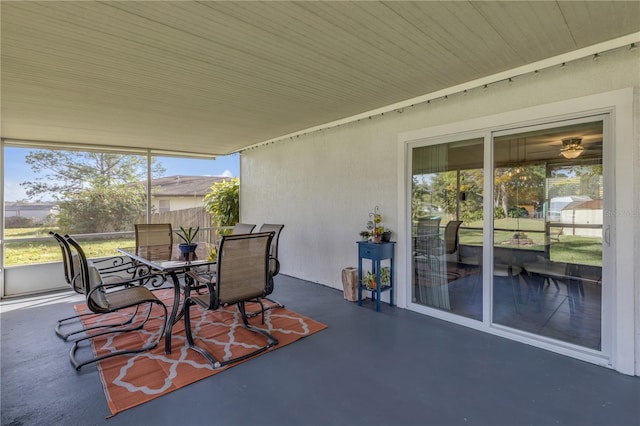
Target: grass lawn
[
  {"x": 569, "y": 248},
  {"x": 48, "y": 250}
]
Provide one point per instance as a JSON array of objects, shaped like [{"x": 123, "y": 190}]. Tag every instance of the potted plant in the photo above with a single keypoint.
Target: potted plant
[
  {"x": 188, "y": 235},
  {"x": 364, "y": 235},
  {"x": 369, "y": 280},
  {"x": 377, "y": 234},
  {"x": 385, "y": 276}
]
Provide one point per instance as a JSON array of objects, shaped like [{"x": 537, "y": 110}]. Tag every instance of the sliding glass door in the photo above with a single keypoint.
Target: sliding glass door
[
  {"x": 542, "y": 241},
  {"x": 547, "y": 231},
  {"x": 446, "y": 215}
]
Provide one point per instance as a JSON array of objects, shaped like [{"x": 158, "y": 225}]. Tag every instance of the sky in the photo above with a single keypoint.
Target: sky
[{"x": 15, "y": 170}]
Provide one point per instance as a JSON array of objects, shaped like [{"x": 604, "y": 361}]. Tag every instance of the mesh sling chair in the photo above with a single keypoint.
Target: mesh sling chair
[
  {"x": 242, "y": 228},
  {"x": 451, "y": 237},
  {"x": 238, "y": 229},
  {"x": 242, "y": 275},
  {"x": 153, "y": 234},
  {"x": 451, "y": 249},
  {"x": 112, "y": 269},
  {"x": 157, "y": 235},
  {"x": 274, "y": 268},
  {"x": 104, "y": 298}
]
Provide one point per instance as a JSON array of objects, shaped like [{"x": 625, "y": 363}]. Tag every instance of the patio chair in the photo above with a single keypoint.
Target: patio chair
[
  {"x": 451, "y": 238},
  {"x": 242, "y": 275},
  {"x": 242, "y": 228},
  {"x": 450, "y": 249},
  {"x": 104, "y": 298},
  {"x": 159, "y": 236},
  {"x": 154, "y": 234},
  {"x": 274, "y": 268},
  {"x": 113, "y": 269},
  {"x": 69, "y": 264}
]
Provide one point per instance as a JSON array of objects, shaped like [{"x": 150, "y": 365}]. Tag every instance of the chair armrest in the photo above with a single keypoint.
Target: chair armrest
[
  {"x": 120, "y": 266},
  {"x": 274, "y": 266},
  {"x": 113, "y": 262},
  {"x": 97, "y": 297},
  {"x": 203, "y": 279},
  {"x": 108, "y": 282}
]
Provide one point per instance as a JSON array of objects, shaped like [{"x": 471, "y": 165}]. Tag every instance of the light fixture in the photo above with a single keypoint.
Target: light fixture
[{"x": 571, "y": 148}]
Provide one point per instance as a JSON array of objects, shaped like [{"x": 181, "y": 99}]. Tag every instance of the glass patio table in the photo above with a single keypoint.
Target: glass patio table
[{"x": 169, "y": 261}]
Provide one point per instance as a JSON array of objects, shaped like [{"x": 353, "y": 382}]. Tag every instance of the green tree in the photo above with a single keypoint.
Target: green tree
[
  {"x": 517, "y": 186},
  {"x": 97, "y": 191},
  {"x": 223, "y": 202},
  {"x": 577, "y": 180},
  {"x": 102, "y": 209},
  {"x": 419, "y": 191},
  {"x": 467, "y": 196},
  {"x": 61, "y": 173}
]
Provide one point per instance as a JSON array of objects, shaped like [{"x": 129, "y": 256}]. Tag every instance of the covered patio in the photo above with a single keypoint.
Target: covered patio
[
  {"x": 393, "y": 367},
  {"x": 325, "y": 103}
]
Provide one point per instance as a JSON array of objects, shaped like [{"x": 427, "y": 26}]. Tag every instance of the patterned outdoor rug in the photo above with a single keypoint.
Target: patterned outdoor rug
[{"x": 131, "y": 380}]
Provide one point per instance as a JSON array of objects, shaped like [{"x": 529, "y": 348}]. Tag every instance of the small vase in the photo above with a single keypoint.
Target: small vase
[{"x": 377, "y": 239}]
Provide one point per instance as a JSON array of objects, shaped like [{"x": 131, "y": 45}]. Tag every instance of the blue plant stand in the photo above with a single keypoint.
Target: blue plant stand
[{"x": 376, "y": 252}]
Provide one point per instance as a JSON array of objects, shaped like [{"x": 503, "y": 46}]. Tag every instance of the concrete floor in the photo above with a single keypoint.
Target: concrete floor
[{"x": 394, "y": 367}]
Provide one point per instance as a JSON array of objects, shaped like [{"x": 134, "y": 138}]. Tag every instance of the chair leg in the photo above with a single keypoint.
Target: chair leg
[
  {"x": 65, "y": 336},
  {"x": 260, "y": 312},
  {"x": 272, "y": 341},
  {"x": 276, "y": 304},
  {"x": 79, "y": 364},
  {"x": 187, "y": 321},
  {"x": 190, "y": 341}
]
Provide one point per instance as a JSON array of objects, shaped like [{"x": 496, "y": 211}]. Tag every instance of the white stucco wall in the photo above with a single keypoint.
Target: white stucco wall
[{"x": 323, "y": 185}]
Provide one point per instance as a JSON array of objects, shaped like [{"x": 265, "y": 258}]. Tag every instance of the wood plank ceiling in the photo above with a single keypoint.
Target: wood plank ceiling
[{"x": 215, "y": 77}]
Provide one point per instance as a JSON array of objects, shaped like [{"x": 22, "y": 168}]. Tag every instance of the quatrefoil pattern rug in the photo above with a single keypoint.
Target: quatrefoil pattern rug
[{"x": 131, "y": 380}]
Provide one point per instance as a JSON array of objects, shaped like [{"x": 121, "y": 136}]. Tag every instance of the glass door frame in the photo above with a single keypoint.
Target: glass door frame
[
  {"x": 607, "y": 257},
  {"x": 410, "y": 146},
  {"x": 619, "y": 327}
]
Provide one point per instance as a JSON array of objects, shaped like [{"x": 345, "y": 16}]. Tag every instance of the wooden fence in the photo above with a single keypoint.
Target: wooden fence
[{"x": 195, "y": 216}]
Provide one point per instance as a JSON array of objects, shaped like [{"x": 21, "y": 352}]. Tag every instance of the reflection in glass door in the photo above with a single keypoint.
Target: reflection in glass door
[
  {"x": 446, "y": 216},
  {"x": 547, "y": 232}
]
